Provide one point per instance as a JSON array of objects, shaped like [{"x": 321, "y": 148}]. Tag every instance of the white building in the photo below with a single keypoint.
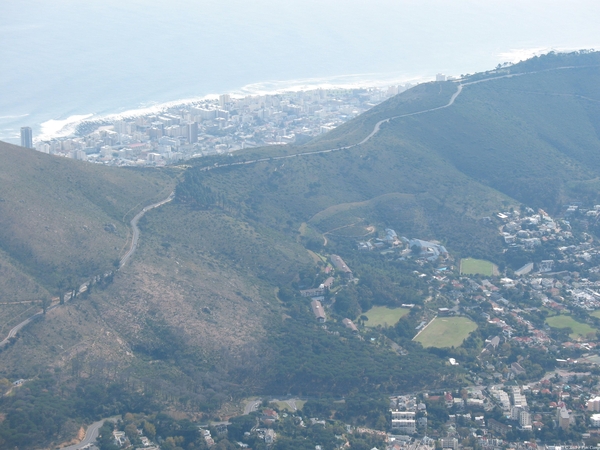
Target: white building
[
  {"x": 269, "y": 436},
  {"x": 502, "y": 398},
  {"x": 449, "y": 443},
  {"x": 595, "y": 420},
  {"x": 593, "y": 404},
  {"x": 404, "y": 422},
  {"x": 525, "y": 420}
]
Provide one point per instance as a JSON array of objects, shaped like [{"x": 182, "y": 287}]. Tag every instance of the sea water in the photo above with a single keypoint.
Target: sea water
[{"x": 65, "y": 61}]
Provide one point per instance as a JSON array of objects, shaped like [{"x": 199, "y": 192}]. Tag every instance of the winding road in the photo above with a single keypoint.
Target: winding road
[
  {"x": 376, "y": 129},
  {"x": 90, "y": 435},
  {"x": 136, "y": 231},
  {"x": 251, "y": 406},
  {"x": 133, "y": 247},
  {"x": 459, "y": 88}
]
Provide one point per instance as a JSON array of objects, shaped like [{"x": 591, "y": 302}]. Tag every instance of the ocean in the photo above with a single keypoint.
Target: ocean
[{"x": 69, "y": 60}]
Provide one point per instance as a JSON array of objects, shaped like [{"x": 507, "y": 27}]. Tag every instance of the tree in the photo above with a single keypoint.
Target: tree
[
  {"x": 46, "y": 302},
  {"x": 149, "y": 430},
  {"x": 132, "y": 434},
  {"x": 61, "y": 285},
  {"x": 105, "y": 437}
]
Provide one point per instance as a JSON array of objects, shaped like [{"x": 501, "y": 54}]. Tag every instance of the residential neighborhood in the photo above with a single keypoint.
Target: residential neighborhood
[{"x": 534, "y": 379}]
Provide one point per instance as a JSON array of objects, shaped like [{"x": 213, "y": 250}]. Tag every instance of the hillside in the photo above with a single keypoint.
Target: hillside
[
  {"x": 527, "y": 132},
  {"x": 62, "y": 221},
  {"x": 208, "y": 310}
]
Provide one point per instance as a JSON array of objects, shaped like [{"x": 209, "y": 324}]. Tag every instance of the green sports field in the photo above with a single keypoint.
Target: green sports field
[
  {"x": 580, "y": 330},
  {"x": 472, "y": 266},
  {"x": 384, "y": 316},
  {"x": 596, "y": 314},
  {"x": 446, "y": 332}
]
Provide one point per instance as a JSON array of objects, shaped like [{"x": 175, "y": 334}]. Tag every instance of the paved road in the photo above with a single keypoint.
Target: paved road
[
  {"x": 90, "y": 435},
  {"x": 376, "y": 129},
  {"x": 136, "y": 230},
  {"x": 134, "y": 242},
  {"x": 377, "y": 126},
  {"x": 252, "y": 406},
  {"x": 13, "y": 332}
]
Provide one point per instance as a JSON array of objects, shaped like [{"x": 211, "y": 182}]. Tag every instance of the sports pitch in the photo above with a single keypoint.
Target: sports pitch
[
  {"x": 384, "y": 316},
  {"x": 446, "y": 332},
  {"x": 472, "y": 266},
  {"x": 580, "y": 330}
]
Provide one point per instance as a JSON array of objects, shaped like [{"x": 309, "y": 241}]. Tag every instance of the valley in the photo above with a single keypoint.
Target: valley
[{"x": 209, "y": 294}]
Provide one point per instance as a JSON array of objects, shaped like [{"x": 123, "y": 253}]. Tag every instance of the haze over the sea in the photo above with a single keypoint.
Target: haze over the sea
[{"x": 66, "y": 60}]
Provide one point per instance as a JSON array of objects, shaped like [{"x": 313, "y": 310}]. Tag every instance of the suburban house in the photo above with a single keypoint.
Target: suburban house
[
  {"x": 269, "y": 436},
  {"x": 327, "y": 283},
  {"x": 318, "y": 311},
  {"x": 269, "y": 416},
  {"x": 317, "y": 292},
  {"x": 350, "y": 325},
  {"x": 341, "y": 266}
]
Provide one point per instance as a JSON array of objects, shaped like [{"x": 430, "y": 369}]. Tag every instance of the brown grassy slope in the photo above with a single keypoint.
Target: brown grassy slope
[
  {"x": 178, "y": 308},
  {"x": 73, "y": 331},
  {"x": 198, "y": 272},
  {"x": 60, "y": 217}
]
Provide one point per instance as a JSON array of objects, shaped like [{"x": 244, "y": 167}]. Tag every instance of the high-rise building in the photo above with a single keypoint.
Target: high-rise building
[
  {"x": 224, "y": 99},
  {"x": 449, "y": 443},
  {"x": 192, "y": 132},
  {"x": 26, "y": 137},
  {"x": 404, "y": 422},
  {"x": 564, "y": 419}
]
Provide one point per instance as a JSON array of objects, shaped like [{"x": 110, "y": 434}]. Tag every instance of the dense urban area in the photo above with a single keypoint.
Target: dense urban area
[{"x": 216, "y": 126}]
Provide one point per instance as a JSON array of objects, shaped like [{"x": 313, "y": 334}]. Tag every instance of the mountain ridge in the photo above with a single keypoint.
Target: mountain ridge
[{"x": 208, "y": 309}]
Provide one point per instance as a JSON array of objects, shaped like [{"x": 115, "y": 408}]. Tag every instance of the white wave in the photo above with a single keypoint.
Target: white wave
[
  {"x": 516, "y": 55},
  {"x": 18, "y": 116},
  {"x": 273, "y": 87},
  {"x": 521, "y": 54},
  {"x": 18, "y": 28},
  {"x": 353, "y": 81},
  {"x": 60, "y": 128},
  {"x": 155, "y": 108}
]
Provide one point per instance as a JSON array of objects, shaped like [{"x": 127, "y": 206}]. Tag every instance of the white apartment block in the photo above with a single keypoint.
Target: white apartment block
[
  {"x": 404, "y": 421},
  {"x": 593, "y": 404}
]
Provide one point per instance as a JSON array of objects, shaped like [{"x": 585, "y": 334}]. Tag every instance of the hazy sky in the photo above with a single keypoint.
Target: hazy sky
[
  {"x": 97, "y": 52},
  {"x": 313, "y": 38}
]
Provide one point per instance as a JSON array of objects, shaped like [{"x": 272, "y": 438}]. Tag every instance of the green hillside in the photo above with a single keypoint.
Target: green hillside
[
  {"x": 208, "y": 310},
  {"x": 529, "y": 138}
]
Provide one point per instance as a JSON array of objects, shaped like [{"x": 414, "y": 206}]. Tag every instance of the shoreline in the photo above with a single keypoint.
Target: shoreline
[{"x": 61, "y": 128}]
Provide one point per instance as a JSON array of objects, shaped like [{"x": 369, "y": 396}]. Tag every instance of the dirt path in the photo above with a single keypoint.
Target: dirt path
[{"x": 423, "y": 329}]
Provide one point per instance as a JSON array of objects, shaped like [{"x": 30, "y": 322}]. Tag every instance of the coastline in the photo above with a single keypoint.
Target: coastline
[
  {"x": 65, "y": 124},
  {"x": 57, "y": 128}
]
